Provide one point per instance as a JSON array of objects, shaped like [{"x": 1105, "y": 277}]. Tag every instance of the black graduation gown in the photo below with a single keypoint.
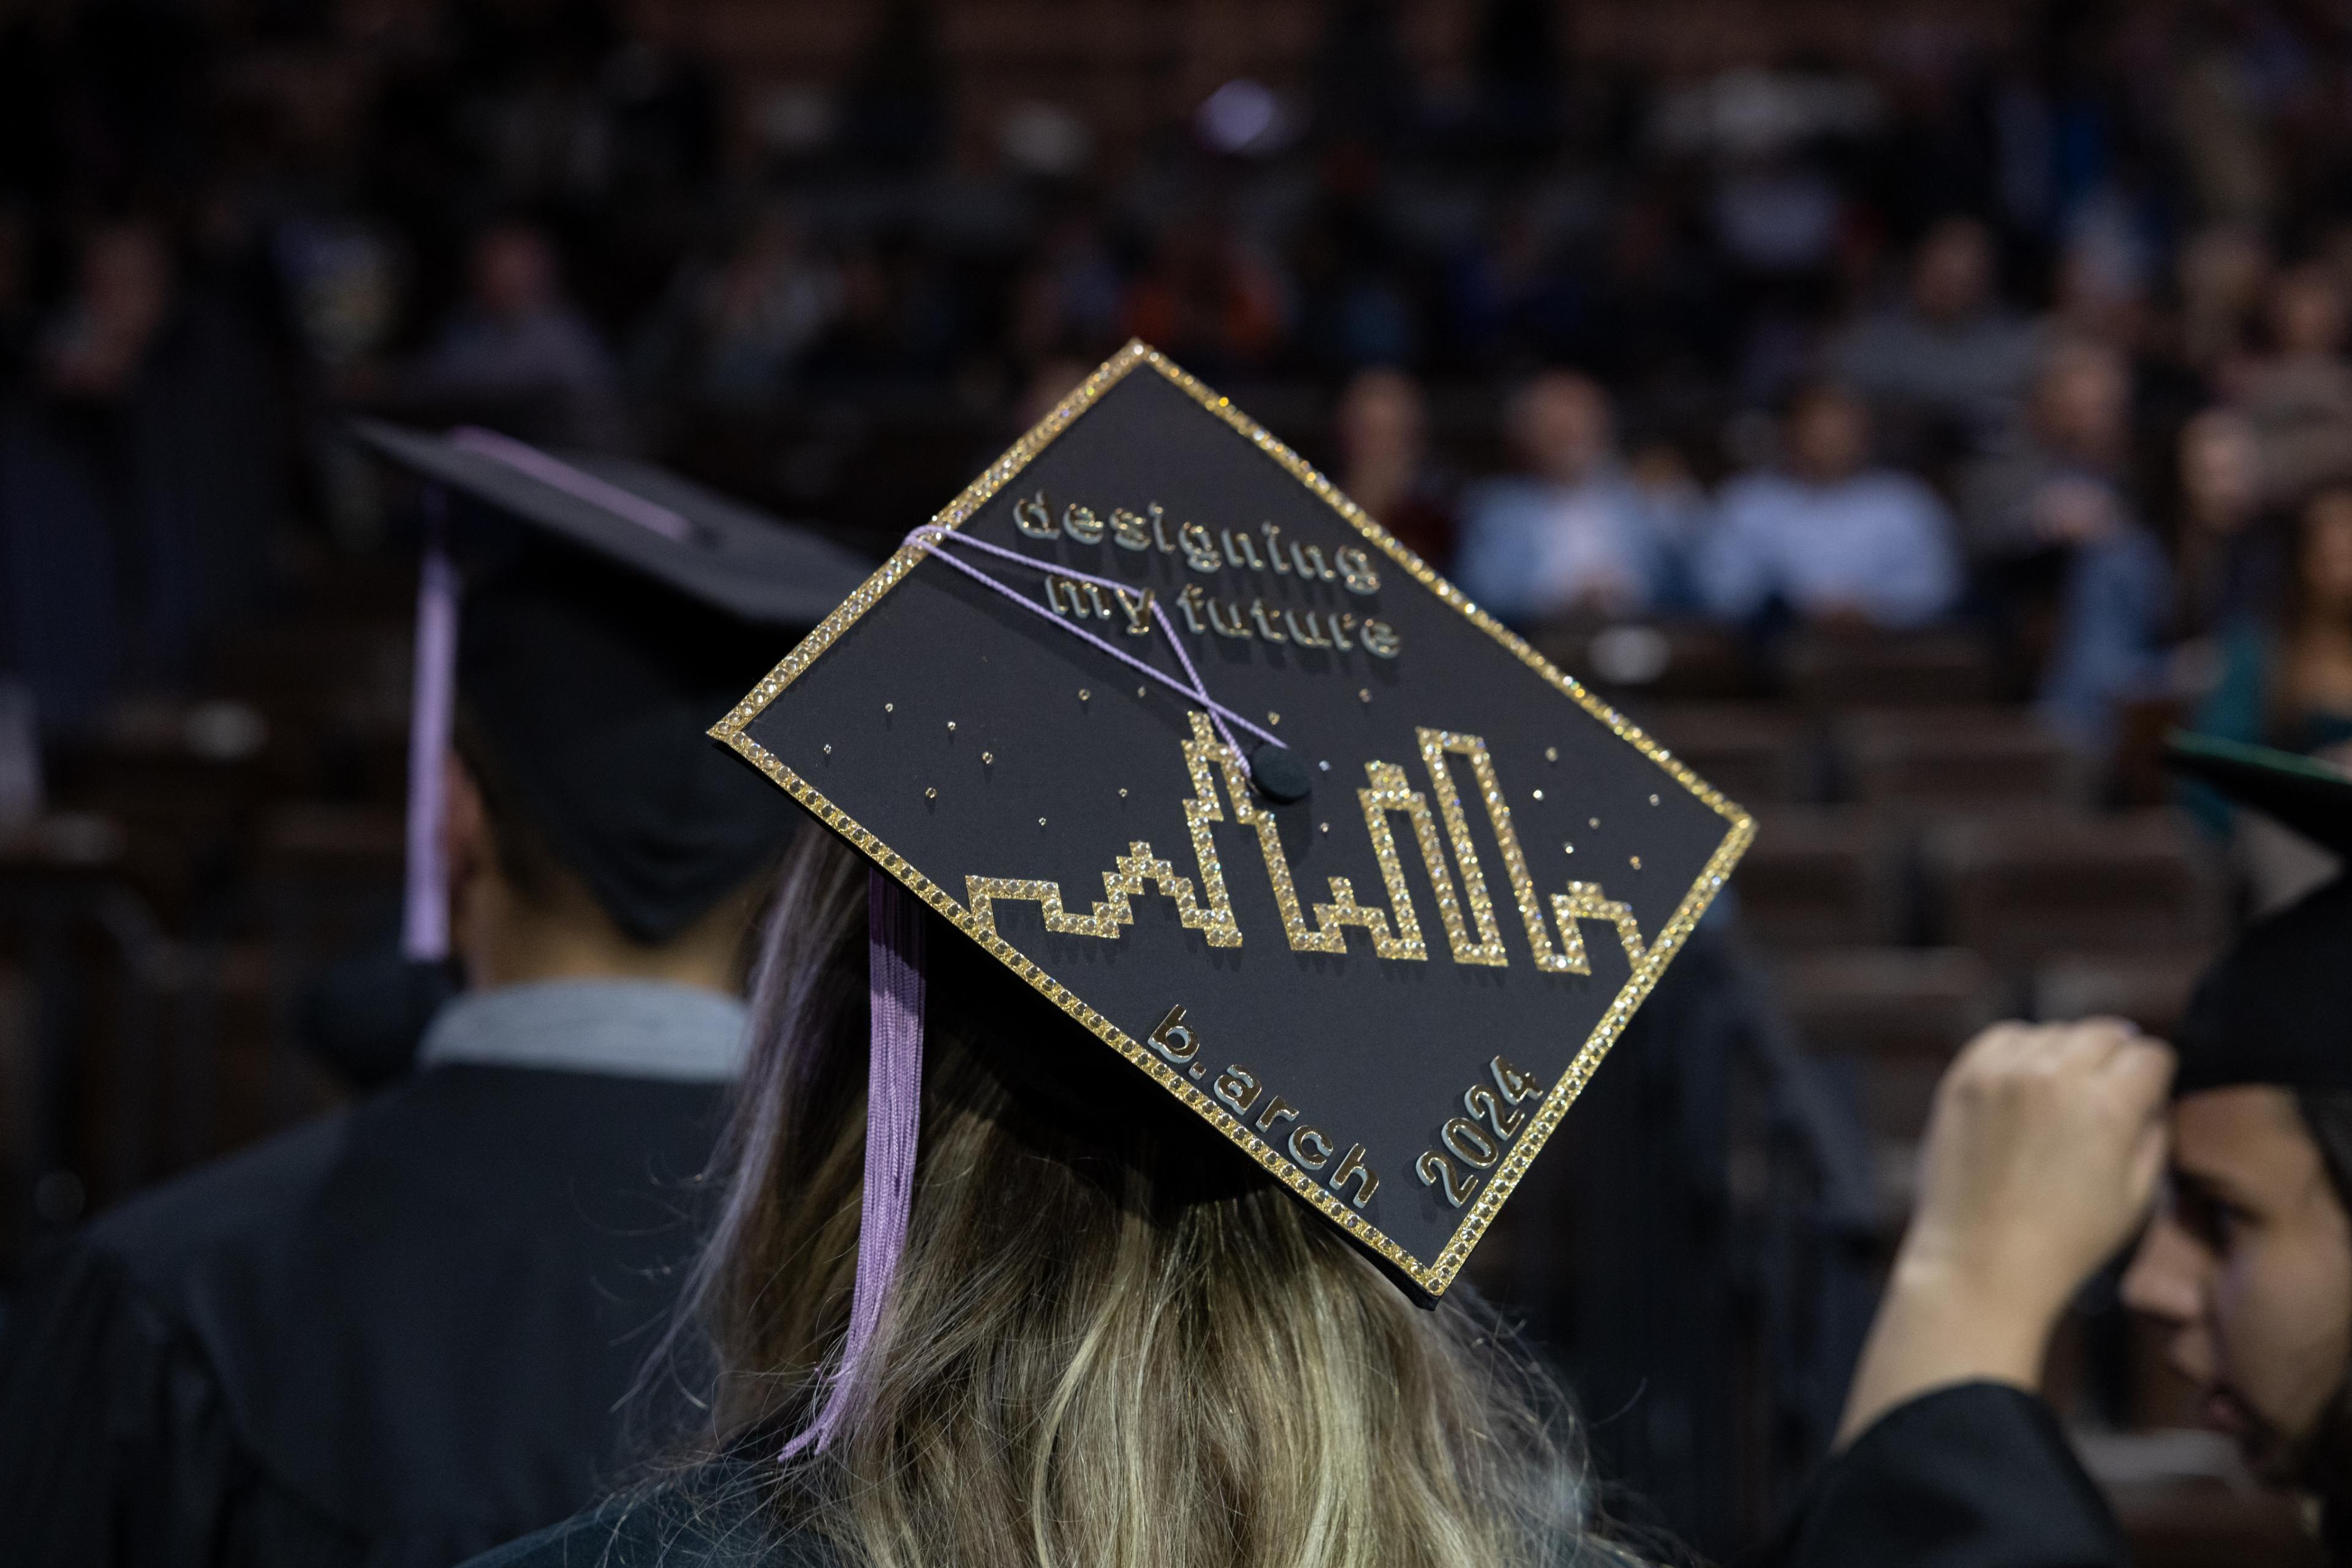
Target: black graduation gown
[
  {"x": 394, "y": 1337},
  {"x": 1979, "y": 1475}
]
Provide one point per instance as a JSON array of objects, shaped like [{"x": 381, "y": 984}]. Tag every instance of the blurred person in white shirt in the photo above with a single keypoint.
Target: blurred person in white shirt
[
  {"x": 1569, "y": 535},
  {"x": 1833, "y": 537}
]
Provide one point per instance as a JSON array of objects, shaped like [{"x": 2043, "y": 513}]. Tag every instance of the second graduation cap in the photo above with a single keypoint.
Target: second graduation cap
[
  {"x": 607, "y": 605},
  {"x": 1178, "y": 734}
]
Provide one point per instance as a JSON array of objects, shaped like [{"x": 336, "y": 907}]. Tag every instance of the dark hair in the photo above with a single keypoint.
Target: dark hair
[
  {"x": 538, "y": 875},
  {"x": 2327, "y": 1118}
]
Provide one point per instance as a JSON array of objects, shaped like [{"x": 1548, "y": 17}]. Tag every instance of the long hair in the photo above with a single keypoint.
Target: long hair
[{"x": 1111, "y": 1341}]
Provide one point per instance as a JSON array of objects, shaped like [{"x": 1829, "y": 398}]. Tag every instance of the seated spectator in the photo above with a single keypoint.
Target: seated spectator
[
  {"x": 2222, "y": 274},
  {"x": 516, "y": 352},
  {"x": 1949, "y": 357},
  {"x": 1568, "y": 536},
  {"x": 1382, "y": 428},
  {"x": 2299, "y": 400},
  {"x": 1827, "y": 534},
  {"x": 2051, "y": 517},
  {"x": 2227, "y": 555},
  {"x": 2286, "y": 682}
]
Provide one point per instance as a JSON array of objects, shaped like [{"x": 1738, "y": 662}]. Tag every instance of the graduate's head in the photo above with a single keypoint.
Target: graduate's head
[
  {"x": 591, "y": 828},
  {"x": 2248, "y": 1268},
  {"x": 2248, "y": 1262},
  {"x": 1111, "y": 1338},
  {"x": 585, "y": 616},
  {"x": 1130, "y": 1080}
]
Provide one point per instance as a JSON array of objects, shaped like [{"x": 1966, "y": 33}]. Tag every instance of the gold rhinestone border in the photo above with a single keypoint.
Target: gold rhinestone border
[{"x": 1434, "y": 1276}]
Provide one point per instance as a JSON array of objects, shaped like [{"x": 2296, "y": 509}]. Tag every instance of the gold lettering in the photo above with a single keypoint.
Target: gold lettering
[
  {"x": 1172, "y": 1040},
  {"x": 1139, "y": 610},
  {"x": 1312, "y": 555},
  {"x": 1029, "y": 515},
  {"x": 1311, "y": 637},
  {"x": 1094, "y": 591},
  {"x": 1273, "y": 532},
  {"x": 1159, "y": 534},
  {"x": 1356, "y": 570},
  {"x": 1339, "y": 624},
  {"x": 1081, "y": 523},
  {"x": 1245, "y": 557},
  {"x": 1277, "y": 1108},
  {"x": 1380, "y": 638},
  {"x": 1239, "y": 627},
  {"x": 1237, "y": 1088},
  {"x": 1266, "y": 627},
  {"x": 1129, "y": 531},
  {"x": 1351, "y": 1167},
  {"x": 1309, "y": 1147},
  {"x": 1189, "y": 603},
  {"x": 1200, "y": 546}
]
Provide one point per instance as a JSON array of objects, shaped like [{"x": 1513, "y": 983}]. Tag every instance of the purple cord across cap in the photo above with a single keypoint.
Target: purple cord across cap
[
  {"x": 931, "y": 535},
  {"x": 894, "y": 1107}
]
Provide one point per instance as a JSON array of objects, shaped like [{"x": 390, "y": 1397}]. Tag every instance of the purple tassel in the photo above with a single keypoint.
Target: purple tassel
[
  {"x": 424, "y": 918},
  {"x": 894, "y": 1107}
]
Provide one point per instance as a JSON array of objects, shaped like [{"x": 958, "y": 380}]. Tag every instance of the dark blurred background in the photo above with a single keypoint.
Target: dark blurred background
[{"x": 1908, "y": 410}]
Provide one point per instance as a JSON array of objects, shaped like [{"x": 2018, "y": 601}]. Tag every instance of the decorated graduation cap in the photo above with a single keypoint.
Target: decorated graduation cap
[
  {"x": 2271, "y": 1009},
  {"x": 608, "y": 607},
  {"x": 1179, "y": 734}
]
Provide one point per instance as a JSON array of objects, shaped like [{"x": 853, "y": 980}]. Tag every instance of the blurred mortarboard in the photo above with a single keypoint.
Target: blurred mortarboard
[
  {"x": 2271, "y": 1009},
  {"x": 1356, "y": 876},
  {"x": 593, "y": 651}
]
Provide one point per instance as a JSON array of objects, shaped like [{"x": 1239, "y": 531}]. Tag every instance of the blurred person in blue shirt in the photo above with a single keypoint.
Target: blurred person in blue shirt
[
  {"x": 1828, "y": 535},
  {"x": 1571, "y": 535}
]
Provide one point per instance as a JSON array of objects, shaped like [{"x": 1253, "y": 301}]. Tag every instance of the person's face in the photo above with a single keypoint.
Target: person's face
[
  {"x": 2249, "y": 1263},
  {"x": 2326, "y": 562},
  {"x": 1562, "y": 427},
  {"x": 2220, "y": 469},
  {"x": 1953, "y": 271},
  {"x": 2083, "y": 398},
  {"x": 1380, "y": 418},
  {"x": 1829, "y": 437},
  {"x": 513, "y": 273},
  {"x": 2306, "y": 312}
]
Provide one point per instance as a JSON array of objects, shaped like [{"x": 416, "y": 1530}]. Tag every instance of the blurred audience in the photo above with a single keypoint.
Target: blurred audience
[
  {"x": 2053, "y": 522},
  {"x": 2229, "y": 562},
  {"x": 1949, "y": 360},
  {"x": 516, "y": 353},
  {"x": 1381, "y": 429},
  {"x": 2285, "y": 680},
  {"x": 1826, "y": 534},
  {"x": 733, "y": 334},
  {"x": 1569, "y": 535},
  {"x": 2298, "y": 398}
]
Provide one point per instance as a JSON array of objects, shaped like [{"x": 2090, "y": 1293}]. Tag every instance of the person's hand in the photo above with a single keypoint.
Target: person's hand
[{"x": 2040, "y": 1159}]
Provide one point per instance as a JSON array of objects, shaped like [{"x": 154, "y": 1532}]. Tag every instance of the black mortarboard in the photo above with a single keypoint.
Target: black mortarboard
[
  {"x": 625, "y": 606},
  {"x": 1381, "y": 939},
  {"x": 2271, "y": 1009}
]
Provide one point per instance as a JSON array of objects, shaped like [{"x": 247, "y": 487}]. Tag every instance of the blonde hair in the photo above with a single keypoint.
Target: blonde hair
[{"x": 1110, "y": 1340}]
